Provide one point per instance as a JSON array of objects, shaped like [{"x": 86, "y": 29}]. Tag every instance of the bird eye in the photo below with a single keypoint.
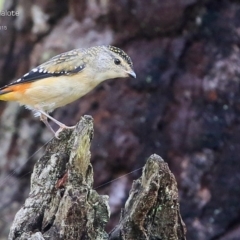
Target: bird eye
[{"x": 117, "y": 61}]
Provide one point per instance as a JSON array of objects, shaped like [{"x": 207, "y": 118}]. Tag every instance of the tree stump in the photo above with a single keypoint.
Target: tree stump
[{"x": 63, "y": 205}]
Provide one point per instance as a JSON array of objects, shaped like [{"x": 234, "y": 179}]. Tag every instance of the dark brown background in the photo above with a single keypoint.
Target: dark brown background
[{"x": 184, "y": 104}]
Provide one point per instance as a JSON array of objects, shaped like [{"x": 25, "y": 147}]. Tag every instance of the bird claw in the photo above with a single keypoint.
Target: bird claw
[
  {"x": 57, "y": 133},
  {"x": 61, "y": 129}
]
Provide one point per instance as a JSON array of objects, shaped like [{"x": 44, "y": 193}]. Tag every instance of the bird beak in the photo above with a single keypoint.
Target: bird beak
[{"x": 131, "y": 74}]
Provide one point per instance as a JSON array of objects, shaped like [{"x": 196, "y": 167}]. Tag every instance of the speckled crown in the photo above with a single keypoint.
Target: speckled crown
[{"x": 121, "y": 53}]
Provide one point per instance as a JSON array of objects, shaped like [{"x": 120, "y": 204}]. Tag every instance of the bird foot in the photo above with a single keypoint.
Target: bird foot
[{"x": 62, "y": 127}]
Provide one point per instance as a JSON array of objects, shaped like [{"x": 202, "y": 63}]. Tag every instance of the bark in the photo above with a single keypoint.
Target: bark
[
  {"x": 62, "y": 203},
  {"x": 152, "y": 209}
]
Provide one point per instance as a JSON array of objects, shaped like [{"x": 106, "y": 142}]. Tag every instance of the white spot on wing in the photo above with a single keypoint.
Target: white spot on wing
[
  {"x": 26, "y": 74},
  {"x": 34, "y": 69}
]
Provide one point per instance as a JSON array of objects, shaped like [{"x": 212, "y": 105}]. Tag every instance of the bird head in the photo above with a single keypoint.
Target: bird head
[{"x": 112, "y": 62}]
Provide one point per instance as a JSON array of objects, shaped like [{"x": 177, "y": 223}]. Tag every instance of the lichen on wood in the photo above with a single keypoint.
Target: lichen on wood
[
  {"x": 63, "y": 205},
  {"x": 152, "y": 209}
]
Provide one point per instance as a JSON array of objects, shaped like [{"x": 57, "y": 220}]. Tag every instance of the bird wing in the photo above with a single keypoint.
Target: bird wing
[{"x": 67, "y": 63}]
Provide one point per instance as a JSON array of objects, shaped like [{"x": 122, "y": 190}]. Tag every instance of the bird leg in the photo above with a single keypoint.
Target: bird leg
[{"x": 44, "y": 117}]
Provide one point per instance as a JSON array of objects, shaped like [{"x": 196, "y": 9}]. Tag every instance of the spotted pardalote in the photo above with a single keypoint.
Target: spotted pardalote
[{"x": 65, "y": 78}]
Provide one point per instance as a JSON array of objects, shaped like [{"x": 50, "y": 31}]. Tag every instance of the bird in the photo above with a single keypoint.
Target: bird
[{"x": 65, "y": 78}]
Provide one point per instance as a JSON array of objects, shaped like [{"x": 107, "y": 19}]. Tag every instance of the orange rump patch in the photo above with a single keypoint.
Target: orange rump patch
[{"x": 14, "y": 92}]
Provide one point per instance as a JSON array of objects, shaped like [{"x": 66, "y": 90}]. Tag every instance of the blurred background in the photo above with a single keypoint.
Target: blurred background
[{"x": 184, "y": 104}]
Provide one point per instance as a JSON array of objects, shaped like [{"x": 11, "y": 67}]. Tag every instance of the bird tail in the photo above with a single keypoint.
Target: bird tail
[
  {"x": 7, "y": 94},
  {"x": 13, "y": 92}
]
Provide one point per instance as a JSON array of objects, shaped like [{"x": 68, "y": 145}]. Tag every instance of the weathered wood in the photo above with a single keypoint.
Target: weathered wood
[
  {"x": 63, "y": 205},
  {"x": 152, "y": 209}
]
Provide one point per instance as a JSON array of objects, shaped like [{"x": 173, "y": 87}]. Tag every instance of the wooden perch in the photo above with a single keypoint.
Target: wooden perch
[
  {"x": 63, "y": 205},
  {"x": 152, "y": 209}
]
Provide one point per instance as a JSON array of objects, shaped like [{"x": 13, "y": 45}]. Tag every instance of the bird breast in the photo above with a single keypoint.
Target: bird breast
[{"x": 51, "y": 93}]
